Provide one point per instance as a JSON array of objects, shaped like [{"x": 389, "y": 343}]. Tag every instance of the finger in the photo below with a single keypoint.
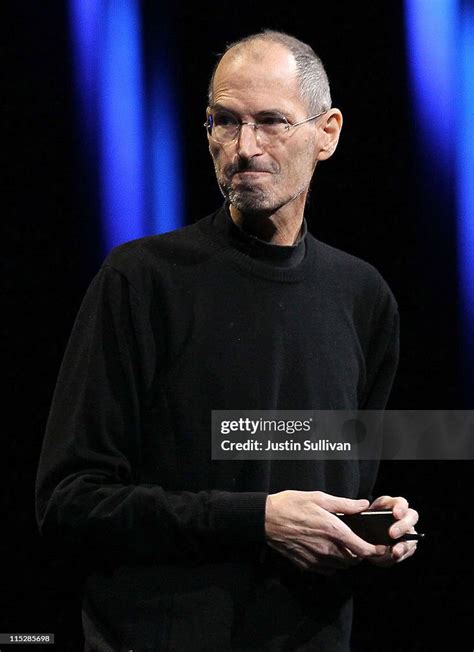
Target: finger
[
  {"x": 403, "y": 550},
  {"x": 395, "y": 554},
  {"x": 384, "y": 561},
  {"x": 400, "y": 507},
  {"x": 310, "y": 552},
  {"x": 344, "y": 536},
  {"x": 397, "y": 504},
  {"x": 327, "y": 554},
  {"x": 381, "y": 502},
  {"x": 339, "y": 504},
  {"x": 405, "y": 525},
  {"x": 350, "y": 558},
  {"x": 323, "y": 548},
  {"x": 348, "y": 553}
]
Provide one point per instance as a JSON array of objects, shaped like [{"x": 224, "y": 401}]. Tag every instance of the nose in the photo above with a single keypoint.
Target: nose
[{"x": 248, "y": 142}]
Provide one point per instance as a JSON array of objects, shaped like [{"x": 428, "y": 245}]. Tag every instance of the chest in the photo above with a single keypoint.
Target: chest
[{"x": 258, "y": 345}]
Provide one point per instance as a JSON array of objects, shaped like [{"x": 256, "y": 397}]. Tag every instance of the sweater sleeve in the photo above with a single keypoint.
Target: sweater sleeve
[{"x": 88, "y": 489}]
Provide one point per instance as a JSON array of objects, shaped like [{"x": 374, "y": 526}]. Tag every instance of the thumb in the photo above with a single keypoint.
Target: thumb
[{"x": 340, "y": 504}]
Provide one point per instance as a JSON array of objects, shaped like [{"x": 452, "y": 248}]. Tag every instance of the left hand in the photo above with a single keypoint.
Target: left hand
[{"x": 406, "y": 520}]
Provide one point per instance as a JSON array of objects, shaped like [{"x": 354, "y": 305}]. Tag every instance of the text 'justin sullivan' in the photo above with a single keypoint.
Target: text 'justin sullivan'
[{"x": 287, "y": 445}]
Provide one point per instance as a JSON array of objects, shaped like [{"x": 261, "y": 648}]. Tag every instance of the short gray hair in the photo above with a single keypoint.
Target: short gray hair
[{"x": 312, "y": 77}]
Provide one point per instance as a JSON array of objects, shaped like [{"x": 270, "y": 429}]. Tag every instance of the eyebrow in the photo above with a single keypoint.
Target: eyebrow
[{"x": 258, "y": 113}]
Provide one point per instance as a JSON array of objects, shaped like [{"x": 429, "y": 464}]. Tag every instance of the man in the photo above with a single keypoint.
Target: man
[{"x": 242, "y": 310}]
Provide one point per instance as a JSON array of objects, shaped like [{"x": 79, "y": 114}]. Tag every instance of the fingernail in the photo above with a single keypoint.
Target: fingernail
[
  {"x": 396, "y": 553},
  {"x": 397, "y": 532}
]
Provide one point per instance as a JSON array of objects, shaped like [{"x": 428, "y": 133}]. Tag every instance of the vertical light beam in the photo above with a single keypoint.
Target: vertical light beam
[
  {"x": 130, "y": 141},
  {"x": 121, "y": 123},
  {"x": 465, "y": 182},
  {"x": 431, "y": 40},
  {"x": 167, "y": 201},
  {"x": 85, "y": 28},
  {"x": 440, "y": 35}
]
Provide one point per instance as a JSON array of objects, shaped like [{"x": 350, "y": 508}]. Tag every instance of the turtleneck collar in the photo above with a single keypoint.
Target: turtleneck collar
[{"x": 272, "y": 254}]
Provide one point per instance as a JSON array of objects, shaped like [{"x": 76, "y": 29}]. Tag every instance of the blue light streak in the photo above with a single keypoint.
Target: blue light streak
[
  {"x": 165, "y": 156},
  {"x": 130, "y": 141},
  {"x": 431, "y": 37},
  {"x": 440, "y": 38},
  {"x": 121, "y": 123},
  {"x": 465, "y": 179},
  {"x": 86, "y": 19}
]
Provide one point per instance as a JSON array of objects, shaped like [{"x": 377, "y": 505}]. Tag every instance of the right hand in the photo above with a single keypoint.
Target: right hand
[{"x": 301, "y": 526}]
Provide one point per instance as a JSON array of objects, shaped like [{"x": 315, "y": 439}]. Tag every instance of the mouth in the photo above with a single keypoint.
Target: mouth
[{"x": 248, "y": 174}]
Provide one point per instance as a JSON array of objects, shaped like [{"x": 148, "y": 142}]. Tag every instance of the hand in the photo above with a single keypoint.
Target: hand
[
  {"x": 406, "y": 519},
  {"x": 302, "y": 526}
]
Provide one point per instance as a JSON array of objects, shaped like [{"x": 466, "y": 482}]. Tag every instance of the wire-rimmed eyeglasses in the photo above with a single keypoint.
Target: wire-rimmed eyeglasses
[{"x": 224, "y": 127}]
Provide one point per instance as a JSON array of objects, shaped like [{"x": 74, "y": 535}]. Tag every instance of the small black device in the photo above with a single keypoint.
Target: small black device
[{"x": 373, "y": 526}]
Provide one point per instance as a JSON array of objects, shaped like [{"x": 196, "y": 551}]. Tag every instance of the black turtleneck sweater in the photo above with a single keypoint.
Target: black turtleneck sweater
[
  {"x": 272, "y": 254},
  {"x": 172, "y": 327}
]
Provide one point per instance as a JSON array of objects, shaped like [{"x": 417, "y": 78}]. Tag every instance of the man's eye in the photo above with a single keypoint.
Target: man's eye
[
  {"x": 272, "y": 120},
  {"x": 224, "y": 120}
]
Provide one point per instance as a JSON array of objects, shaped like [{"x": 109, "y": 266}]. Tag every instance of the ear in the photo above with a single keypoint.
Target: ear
[
  {"x": 208, "y": 113},
  {"x": 330, "y": 130}
]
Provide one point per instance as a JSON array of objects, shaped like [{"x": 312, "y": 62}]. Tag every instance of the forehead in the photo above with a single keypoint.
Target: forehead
[{"x": 256, "y": 76}]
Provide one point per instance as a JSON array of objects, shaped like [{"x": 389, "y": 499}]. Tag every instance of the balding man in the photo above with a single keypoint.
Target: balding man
[{"x": 243, "y": 309}]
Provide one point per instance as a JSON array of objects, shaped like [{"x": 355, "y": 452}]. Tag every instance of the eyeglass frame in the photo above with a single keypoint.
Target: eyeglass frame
[{"x": 289, "y": 125}]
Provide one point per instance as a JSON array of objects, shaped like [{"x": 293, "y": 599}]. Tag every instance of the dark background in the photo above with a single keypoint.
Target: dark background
[{"x": 371, "y": 199}]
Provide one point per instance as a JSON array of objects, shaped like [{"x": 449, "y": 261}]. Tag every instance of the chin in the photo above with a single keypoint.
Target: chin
[{"x": 252, "y": 202}]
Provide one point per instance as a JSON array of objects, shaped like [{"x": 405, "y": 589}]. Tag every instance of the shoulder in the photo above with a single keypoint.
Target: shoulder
[
  {"x": 185, "y": 242},
  {"x": 143, "y": 258},
  {"x": 352, "y": 276}
]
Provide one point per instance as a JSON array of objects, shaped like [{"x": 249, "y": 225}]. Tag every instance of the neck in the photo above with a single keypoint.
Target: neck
[{"x": 281, "y": 227}]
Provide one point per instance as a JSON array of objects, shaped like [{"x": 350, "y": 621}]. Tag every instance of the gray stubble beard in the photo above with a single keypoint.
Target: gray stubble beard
[
  {"x": 249, "y": 201},
  {"x": 254, "y": 200}
]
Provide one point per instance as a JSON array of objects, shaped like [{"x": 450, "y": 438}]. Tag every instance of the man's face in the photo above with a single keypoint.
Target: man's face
[{"x": 252, "y": 82}]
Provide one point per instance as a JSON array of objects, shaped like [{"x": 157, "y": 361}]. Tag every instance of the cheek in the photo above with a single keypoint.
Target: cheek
[
  {"x": 214, "y": 149},
  {"x": 213, "y": 153},
  {"x": 218, "y": 157},
  {"x": 303, "y": 162},
  {"x": 298, "y": 168}
]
